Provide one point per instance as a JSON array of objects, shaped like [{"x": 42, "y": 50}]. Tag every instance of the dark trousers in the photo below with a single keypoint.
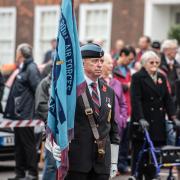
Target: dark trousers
[
  {"x": 149, "y": 171},
  {"x": 25, "y": 151},
  {"x": 92, "y": 175}
]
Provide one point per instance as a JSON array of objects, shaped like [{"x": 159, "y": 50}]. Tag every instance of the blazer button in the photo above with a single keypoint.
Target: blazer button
[
  {"x": 95, "y": 141},
  {"x": 152, "y": 120},
  {"x": 160, "y": 108},
  {"x": 152, "y": 98},
  {"x": 152, "y": 109}
]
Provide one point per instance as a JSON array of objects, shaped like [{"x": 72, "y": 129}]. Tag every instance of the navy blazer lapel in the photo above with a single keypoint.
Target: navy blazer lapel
[
  {"x": 102, "y": 93},
  {"x": 104, "y": 96}
]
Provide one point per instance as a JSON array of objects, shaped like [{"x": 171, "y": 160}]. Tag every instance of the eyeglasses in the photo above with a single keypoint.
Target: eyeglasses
[{"x": 154, "y": 62}]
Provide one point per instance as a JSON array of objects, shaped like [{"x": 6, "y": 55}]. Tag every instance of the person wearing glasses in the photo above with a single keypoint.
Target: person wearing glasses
[
  {"x": 171, "y": 68},
  {"x": 150, "y": 101},
  {"x": 169, "y": 64}
]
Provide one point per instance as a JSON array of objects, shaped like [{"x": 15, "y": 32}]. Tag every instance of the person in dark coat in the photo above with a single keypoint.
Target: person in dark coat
[
  {"x": 150, "y": 100},
  {"x": 170, "y": 66},
  {"x": 49, "y": 55},
  {"x": 84, "y": 160},
  {"x": 1, "y": 91},
  {"x": 20, "y": 106}
]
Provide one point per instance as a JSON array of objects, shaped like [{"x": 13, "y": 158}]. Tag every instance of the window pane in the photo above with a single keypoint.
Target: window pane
[
  {"x": 6, "y": 52},
  {"x": 48, "y": 26},
  {"x": 6, "y": 37},
  {"x": 96, "y": 24},
  {"x": 178, "y": 18}
]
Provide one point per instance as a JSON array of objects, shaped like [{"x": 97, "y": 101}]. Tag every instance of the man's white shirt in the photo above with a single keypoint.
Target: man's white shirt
[{"x": 89, "y": 82}]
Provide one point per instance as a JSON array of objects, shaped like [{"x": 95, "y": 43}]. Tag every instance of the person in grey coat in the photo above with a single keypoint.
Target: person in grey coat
[
  {"x": 41, "y": 112},
  {"x": 42, "y": 98}
]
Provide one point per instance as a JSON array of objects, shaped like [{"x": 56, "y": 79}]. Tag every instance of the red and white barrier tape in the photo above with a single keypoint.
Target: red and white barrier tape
[{"x": 6, "y": 123}]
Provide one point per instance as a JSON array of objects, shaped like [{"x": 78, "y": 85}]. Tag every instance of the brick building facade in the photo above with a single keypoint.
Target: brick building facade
[
  {"x": 25, "y": 17},
  {"x": 126, "y": 19}
]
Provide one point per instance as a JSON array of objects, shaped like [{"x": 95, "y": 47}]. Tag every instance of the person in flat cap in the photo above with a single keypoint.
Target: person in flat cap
[
  {"x": 93, "y": 152},
  {"x": 156, "y": 47}
]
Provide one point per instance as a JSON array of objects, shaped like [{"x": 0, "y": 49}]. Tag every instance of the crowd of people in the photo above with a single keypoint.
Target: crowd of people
[{"x": 128, "y": 89}]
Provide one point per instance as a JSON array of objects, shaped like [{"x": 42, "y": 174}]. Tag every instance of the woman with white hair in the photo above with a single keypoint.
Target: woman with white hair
[
  {"x": 150, "y": 101},
  {"x": 120, "y": 102},
  {"x": 121, "y": 108}
]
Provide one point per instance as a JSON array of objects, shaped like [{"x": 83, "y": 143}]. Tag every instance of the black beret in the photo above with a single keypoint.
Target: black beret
[
  {"x": 156, "y": 45},
  {"x": 91, "y": 50}
]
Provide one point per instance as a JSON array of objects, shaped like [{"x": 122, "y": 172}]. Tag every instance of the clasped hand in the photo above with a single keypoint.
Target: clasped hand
[
  {"x": 144, "y": 124},
  {"x": 54, "y": 149}
]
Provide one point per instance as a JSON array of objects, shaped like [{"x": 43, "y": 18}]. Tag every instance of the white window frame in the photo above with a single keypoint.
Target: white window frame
[
  {"x": 148, "y": 14},
  {"x": 82, "y": 17},
  {"x": 38, "y": 11},
  {"x": 164, "y": 2},
  {"x": 173, "y": 15},
  {"x": 14, "y": 13}
]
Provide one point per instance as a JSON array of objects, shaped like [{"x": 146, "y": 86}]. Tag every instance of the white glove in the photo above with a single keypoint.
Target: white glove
[
  {"x": 56, "y": 152},
  {"x": 48, "y": 145},
  {"x": 113, "y": 171},
  {"x": 114, "y": 159},
  {"x": 54, "y": 149}
]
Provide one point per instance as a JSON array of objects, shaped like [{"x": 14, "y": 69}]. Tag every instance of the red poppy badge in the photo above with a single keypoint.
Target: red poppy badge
[
  {"x": 159, "y": 81},
  {"x": 104, "y": 88}
]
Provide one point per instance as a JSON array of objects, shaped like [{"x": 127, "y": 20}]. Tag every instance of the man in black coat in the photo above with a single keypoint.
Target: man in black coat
[
  {"x": 84, "y": 160},
  {"x": 20, "y": 106}
]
